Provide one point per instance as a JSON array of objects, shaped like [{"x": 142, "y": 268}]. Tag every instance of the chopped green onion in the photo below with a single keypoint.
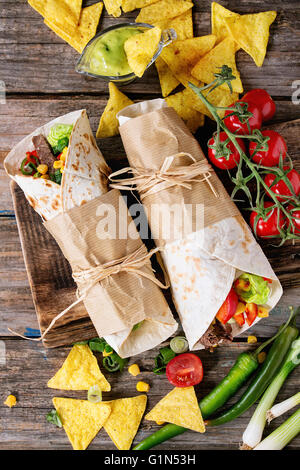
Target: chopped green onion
[
  {"x": 282, "y": 435},
  {"x": 179, "y": 344},
  {"x": 162, "y": 359},
  {"x": 94, "y": 394},
  {"x": 253, "y": 433},
  {"x": 281, "y": 408},
  {"x": 54, "y": 418}
]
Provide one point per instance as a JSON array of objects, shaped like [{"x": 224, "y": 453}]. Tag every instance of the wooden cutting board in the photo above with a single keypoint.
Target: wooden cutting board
[{"x": 49, "y": 273}]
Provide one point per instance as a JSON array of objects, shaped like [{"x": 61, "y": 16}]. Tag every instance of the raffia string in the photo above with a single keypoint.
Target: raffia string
[
  {"x": 88, "y": 278},
  {"x": 148, "y": 182}
]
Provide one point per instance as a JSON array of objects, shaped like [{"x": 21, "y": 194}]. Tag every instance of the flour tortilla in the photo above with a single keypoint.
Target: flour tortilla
[
  {"x": 85, "y": 169},
  {"x": 203, "y": 266}
]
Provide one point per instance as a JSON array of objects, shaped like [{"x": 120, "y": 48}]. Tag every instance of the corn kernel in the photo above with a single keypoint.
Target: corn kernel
[
  {"x": 240, "y": 308},
  {"x": 142, "y": 387},
  {"x": 261, "y": 357},
  {"x": 63, "y": 154},
  {"x": 252, "y": 339},
  {"x": 262, "y": 312},
  {"x": 105, "y": 354},
  {"x": 42, "y": 169},
  {"x": 160, "y": 423},
  {"x": 57, "y": 164},
  {"x": 45, "y": 177},
  {"x": 10, "y": 401},
  {"x": 134, "y": 370}
]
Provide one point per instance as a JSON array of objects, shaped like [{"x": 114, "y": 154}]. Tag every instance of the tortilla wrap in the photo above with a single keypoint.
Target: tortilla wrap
[{"x": 203, "y": 265}]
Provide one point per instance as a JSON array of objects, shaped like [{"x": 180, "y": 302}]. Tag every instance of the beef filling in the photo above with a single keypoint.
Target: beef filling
[
  {"x": 44, "y": 151},
  {"x": 215, "y": 334}
]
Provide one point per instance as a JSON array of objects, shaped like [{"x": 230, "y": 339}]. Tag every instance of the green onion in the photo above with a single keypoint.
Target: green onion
[
  {"x": 253, "y": 433},
  {"x": 162, "y": 359},
  {"x": 282, "y": 435},
  {"x": 179, "y": 344},
  {"x": 54, "y": 418},
  {"x": 94, "y": 394},
  {"x": 281, "y": 408}
]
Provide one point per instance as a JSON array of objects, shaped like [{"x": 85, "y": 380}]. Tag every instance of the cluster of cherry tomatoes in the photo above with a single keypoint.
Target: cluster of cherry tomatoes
[{"x": 258, "y": 107}]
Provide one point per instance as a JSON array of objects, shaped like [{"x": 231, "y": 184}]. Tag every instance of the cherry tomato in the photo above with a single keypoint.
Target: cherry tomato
[
  {"x": 229, "y": 156},
  {"x": 276, "y": 147},
  {"x": 185, "y": 370},
  {"x": 263, "y": 101},
  {"x": 281, "y": 188},
  {"x": 228, "y": 308},
  {"x": 244, "y": 126},
  {"x": 295, "y": 212},
  {"x": 268, "y": 227}
]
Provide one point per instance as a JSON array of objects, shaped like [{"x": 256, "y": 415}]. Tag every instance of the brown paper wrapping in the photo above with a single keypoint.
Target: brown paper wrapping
[
  {"x": 121, "y": 300},
  {"x": 150, "y": 138}
]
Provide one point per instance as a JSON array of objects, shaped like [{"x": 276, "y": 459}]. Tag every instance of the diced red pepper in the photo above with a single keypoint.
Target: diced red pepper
[
  {"x": 239, "y": 318},
  {"x": 267, "y": 279},
  {"x": 251, "y": 313},
  {"x": 241, "y": 284},
  {"x": 228, "y": 308}
]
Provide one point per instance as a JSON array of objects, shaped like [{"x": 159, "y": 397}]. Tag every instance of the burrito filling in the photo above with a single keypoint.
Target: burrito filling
[
  {"x": 47, "y": 160},
  {"x": 244, "y": 303}
]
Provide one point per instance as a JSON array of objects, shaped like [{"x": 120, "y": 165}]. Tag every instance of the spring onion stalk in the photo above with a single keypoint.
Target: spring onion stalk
[
  {"x": 281, "y": 408},
  {"x": 282, "y": 435},
  {"x": 179, "y": 344},
  {"x": 254, "y": 431}
]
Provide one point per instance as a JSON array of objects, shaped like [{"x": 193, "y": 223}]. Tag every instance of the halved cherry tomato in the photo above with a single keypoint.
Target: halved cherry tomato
[
  {"x": 268, "y": 227},
  {"x": 239, "y": 318},
  {"x": 276, "y": 147},
  {"x": 280, "y": 188},
  {"x": 185, "y": 370},
  {"x": 263, "y": 101},
  {"x": 295, "y": 212},
  {"x": 224, "y": 155},
  {"x": 251, "y": 313},
  {"x": 228, "y": 308},
  {"x": 244, "y": 125}
]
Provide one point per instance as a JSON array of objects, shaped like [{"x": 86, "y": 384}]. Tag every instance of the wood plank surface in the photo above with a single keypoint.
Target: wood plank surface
[{"x": 25, "y": 425}]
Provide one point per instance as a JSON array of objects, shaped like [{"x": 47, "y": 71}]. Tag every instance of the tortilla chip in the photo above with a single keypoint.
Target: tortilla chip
[
  {"x": 222, "y": 54},
  {"x": 251, "y": 32},
  {"x": 113, "y": 7},
  {"x": 167, "y": 80},
  {"x": 79, "y": 371},
  {"x": 124, "y": 420},
  {"x": 183, "y": 25},
  {"x": 38, "y": 5},
  {"x": 163, "y": 10},
  {"x": 64, "y": 13},
  {"x": 85, "y": 30},
  {"x": 109, "y": 125},
  {"x": 182, "y": 103},
  {"x": 179, "y": 407},
  {"x": 217, "y": 97},
  {"x": 218, "y": 26},
  {"x": 81, "y": 419},
  {"x": 130, "y": 5},
  {"x": 182, "y": 56},
  {"x": 141, "y": 48}
]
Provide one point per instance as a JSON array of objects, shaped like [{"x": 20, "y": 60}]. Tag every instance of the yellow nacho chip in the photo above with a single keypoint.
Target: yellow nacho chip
[
  {"x": 64, "y": 13},
  {"x": 218, "y": 97},
  {"x": 183, "y": 25},
  {"x": 182, "y": 103},
  {"x": 163, "y": 10},
  {"x": 130, "y": 5},
  {"x": 124, "y": 420},
  {"x": 182, "y": 56},
  {"x": 38, "y": 5},
  {"x": 222, "y": 54},
  {"x": 251, "y": 32},
  {"x": 79, "y": 371},
  {"x": 113, "y": 7},
  {"x": 108, "y": 125},
  {"x": 85, "y": 30},
  {"x": 81, "y": 419},
  {"x": 218, "y": 26},
  {"x": 141, "y": 48},
  {"x": 167, "y": 80},
  {"x": 179, "y": 407}
]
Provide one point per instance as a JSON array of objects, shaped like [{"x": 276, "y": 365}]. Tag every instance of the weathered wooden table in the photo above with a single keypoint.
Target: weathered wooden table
[{"x": 37, "y": 69}]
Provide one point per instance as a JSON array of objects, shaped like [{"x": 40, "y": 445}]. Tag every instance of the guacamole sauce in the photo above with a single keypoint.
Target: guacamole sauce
[{"x": 107, "y": 56}]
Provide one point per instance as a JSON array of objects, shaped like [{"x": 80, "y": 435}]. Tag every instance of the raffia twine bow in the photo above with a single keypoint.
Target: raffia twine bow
[
  {"x": 148, "y": 182},
  {"x": 88, "y": 278}
]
